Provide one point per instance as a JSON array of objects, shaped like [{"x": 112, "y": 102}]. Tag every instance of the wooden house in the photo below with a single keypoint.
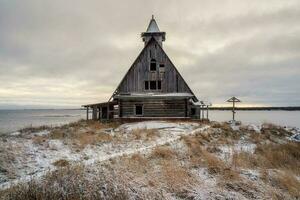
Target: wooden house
[{"x": 152, "y": 87}]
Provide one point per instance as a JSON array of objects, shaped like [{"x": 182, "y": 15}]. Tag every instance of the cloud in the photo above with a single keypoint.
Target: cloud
[{"x": 76, "y": 52}]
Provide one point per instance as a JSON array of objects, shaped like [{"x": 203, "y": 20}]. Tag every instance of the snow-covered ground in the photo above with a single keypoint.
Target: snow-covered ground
[
  {"x": 31, "y": 159},
  {"x": 32, "y": 155}
]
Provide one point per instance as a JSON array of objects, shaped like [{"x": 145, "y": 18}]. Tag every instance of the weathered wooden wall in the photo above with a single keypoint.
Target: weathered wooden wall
[
  {"x": 172, "y": 82},
  {"x": 154, "y": 107}
]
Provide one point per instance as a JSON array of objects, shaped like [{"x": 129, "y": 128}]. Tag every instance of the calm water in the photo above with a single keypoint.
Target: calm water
[
  {"x": 283, "y": 118},
  {"x": 12, "y": 120}
]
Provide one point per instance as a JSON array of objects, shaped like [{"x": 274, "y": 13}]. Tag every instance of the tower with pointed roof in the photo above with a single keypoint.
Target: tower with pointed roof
[
  {"x": 153, "y": 31},
  {"x": 152, "y": 87}
]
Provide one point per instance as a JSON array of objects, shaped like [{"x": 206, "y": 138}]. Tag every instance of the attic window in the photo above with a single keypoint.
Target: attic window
[{"x": 153, "y": 65}]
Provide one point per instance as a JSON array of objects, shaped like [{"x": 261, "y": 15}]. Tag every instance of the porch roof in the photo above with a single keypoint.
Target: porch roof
[{"x": 101, "y": 104}]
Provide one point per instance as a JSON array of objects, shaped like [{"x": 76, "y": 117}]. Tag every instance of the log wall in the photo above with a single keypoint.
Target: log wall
[{"x": 154, "y": 107}]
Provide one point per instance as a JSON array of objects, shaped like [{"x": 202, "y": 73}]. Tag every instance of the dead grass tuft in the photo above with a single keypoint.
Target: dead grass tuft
[
  {"x": 57, "y": 134},
  {"x": 289, "y": 183},
  {"x": 145, "y": 134},
  {"x": 91, "y": 138},
  {"x": 279, "y": 156},
  {"x": 39, "y": 140},
  {"x": 32, "y": 129},
  {"x": 177, "y": 178},
  {"x": 61, "y": 163},
  {"x": 269, "y": 130},
  {"x": 163, "y": 152}
]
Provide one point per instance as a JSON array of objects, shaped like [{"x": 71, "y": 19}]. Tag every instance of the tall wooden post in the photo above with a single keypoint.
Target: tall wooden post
[
  {"x": 233, "y": 100},
  {"x": 87, "y": 113},
  {"x": 207, "y": 112}
]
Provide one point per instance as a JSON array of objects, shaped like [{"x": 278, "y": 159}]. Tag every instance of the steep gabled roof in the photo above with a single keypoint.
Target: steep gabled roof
[{"x": 133, "y": 64}]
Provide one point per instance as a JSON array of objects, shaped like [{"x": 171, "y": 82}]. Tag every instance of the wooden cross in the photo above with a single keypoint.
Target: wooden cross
[{"x": 233, "y": 100}]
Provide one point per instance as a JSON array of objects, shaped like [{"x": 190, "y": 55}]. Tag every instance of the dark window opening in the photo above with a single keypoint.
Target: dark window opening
[
  {"x": 139, "y": 110},
  {"x": 193, "y": 111},
  {"x": 152, "y": 85},
  {"x": 153, "y": 65},
  {"x": 146, "y": 85},
  {"x": 162, "y": 65},
  {"x": 159, "y": 85}
]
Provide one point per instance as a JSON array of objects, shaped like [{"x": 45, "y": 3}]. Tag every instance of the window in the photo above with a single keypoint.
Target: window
[
  {"x": 153, "y": 65},
  {"x": 193, "y": 111},
  {"x": 138, "y": 110},
  {"x": 162, "y": 65},
  {"x": 152, "y": 85},
  {"x": 146, "y": 85},
  {"x": 159, "y": 85}
]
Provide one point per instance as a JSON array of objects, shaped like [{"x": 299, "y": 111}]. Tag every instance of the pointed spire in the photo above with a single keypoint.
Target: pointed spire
[
  {"x": 152, "y": 27},
  {"x": 153, "y": 32}
]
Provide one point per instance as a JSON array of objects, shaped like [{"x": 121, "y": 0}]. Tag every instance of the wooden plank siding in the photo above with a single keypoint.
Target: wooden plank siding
[
  {"x": 171, "y": 80},
  {"x": 154, "y": 107}
]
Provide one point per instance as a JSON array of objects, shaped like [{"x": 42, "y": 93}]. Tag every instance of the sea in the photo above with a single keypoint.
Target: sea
[{"x": 14, "y": 120}]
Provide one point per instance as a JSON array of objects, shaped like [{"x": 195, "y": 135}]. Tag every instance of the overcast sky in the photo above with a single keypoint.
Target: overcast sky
[{"x": 67, "y": 53}]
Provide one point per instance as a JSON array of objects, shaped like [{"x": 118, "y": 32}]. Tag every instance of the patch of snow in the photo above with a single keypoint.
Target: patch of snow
[
  {"x": 15, "y": 133},
  {"x": 254, "y": 127},
  {"x": 42, "y": 133},
  {"x": 156, "y": 125},
  {"x": 242, "y": 146},
  {"x": 295, "y": 137},
  {"x": 253, "y": 175}
]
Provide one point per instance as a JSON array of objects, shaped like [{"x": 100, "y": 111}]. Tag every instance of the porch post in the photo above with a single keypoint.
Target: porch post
[
  {"x": 207, "y": 112},
  {"x": 87, "y": 113}
]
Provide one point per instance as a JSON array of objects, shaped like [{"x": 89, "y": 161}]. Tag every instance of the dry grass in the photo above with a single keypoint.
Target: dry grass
[
  {"x": 272, "y": 129},
  {"x": 7, "y": 160},
  {"x": 39, "y": 140},
  {"x": 287, "y": 182},
  {"x": 57, "y": 134},
  {"x": 163, "y": 152},
  {"x": 199, "y": 157},
  {"x": 33, "y": 129},
  {"x": 145, "y": 134},
  {"x": 69, "y": 183},
  {"x": 91, "y": 138},
  {"x": 244, "y": 160},
  {"x": 177, "y": 178},
  {"x": 61, "y": 163},
  {"x": 279, "y": 156}
]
